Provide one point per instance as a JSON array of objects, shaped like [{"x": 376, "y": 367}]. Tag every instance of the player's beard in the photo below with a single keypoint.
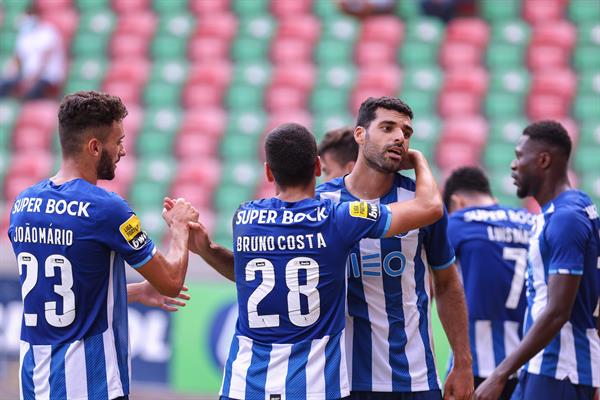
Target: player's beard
[
  {"x": 106, "y": 167},
  {"x": 376, "y": 158}
]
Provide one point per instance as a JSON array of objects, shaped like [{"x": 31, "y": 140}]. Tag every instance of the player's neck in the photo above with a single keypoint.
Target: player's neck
[
  {"x": 71, "y": 169},
  {"x": 296, "y": 193},
  {"x": 551, "y": 188},
  {"x": 367, "y": 183}
]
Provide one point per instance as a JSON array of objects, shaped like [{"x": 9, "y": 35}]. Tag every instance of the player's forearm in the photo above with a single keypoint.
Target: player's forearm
[
  {"x": 452, "y": 310},
  {"x": 426, "y": 191},
  {"x": 177, "y": 257},
  {"x": 220, "y": 259},
  {"x": 133, "y": 292}
]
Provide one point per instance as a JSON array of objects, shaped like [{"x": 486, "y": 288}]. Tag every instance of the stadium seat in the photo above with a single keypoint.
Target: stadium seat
[
  {"x": 495, "y": 11},
  {"x": 290, "y": 8},
  {"x": 469, "y": 79},
  {"x": 458, "y": 103},
  {"x": 208, "y": 7},
  {"x": 539, "y": 11},
  {"x": 204, "y": 121},
  {"x": 221, "y": 26},
  {"x": 386, "y": 29},
  {"x": 204, "y": 172},
  {"x": 130, "y": 6},
  {"x": 540, "y": 57},
  {"x": 135, "y": 71},
  {"x": 199, "y": 196},
  {"x": 385, "y": 78},
  {"x": 547, "y": 106},
  {"x": 127, "y": 46},
  {"x": 207, "y": 48},
  {"x": 459, "y": 54},
  {"x": 299, "y": 76},
  {"x": 559, "y": 82},
  {"x": 281, "y": 98},
  {"x": 65, "y": 20},
  {"x": 140, "y": 23},
  {"x": 557, "y": 33},
  {"x": 202, "y": 95},
  {"x": 472, "y": 130},
  {"x": 304, "y": 27},
  {"x": 473, "y": 31},
  {"x": 31, "y": 137},
  {"x": 451, "y": 155},
  {"x": 284, "y": 50}
]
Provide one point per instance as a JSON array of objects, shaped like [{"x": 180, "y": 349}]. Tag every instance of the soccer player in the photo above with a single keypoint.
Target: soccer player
[
  {"x": 71, "y": 239},
  {"x": 338, "y": 151},
  {"x": 290, "y": 254},
  {"x": 561, "y": 346},
  {"x": 389, "y": 340},
  {"x": 490, "y": 242}
]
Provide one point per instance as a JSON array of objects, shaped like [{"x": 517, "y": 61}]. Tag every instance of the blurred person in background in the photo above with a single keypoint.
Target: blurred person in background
[
  {"x": 71, "y": 239},
  {"x": 490, "y": 242},
  {"x": 38, "y": 67},
  {"x": 338, "y": 151},
  {"x": 560, "y": 350},
  {"x": 364, "y": 8}
]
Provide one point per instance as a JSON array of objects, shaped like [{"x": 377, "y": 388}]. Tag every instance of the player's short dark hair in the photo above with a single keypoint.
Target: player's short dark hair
[
  {"x": 466, "y": 179},
  {"x": 366, "y": 113},
  {"x": 340, "y": 144},
  {"x": 81, "y": 111},
  {"x": 291, "y": 152},
  {"x": 551, "y": 133}
]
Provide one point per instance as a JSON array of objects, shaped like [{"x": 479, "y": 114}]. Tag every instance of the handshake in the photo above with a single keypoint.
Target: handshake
[{"x": 180, "y": 213}]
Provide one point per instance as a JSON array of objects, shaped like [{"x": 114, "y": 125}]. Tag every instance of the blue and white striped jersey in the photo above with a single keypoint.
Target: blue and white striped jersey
[
  {"x": 389, "y": 342},
  {"x": 71, "y": 241},
  {"x": 566, "y": 240},
  {"x": 491, "y": 247},
  {"x": 290, "y": 278}
]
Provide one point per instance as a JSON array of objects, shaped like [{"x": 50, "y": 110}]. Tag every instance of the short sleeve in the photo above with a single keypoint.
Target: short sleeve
[
  {"x": 454, "y": 233},
  {"x": 359, "y": 219},
  {"x": 123, "y": 233},
  {"x": 566, "y": 234},
  {"x": 440, "y": 253}
]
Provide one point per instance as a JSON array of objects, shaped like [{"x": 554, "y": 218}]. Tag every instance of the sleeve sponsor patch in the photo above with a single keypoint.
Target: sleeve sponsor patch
[
  {"x": 362, "y": 209},
  {"x": 132, "y": 232}
]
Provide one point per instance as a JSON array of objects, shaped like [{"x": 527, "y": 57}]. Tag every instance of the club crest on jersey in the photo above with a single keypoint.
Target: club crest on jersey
[
  {"x": 362, "y": 209},
  {"x": 132, "y": 232}
]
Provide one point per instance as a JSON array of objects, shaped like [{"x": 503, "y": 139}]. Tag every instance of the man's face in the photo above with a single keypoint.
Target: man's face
[
  {"x": 524, "y": 168},
  {"x": 386, "y": 140},
  {"x": 331, "y": 168},
  {"x": 112, "y": 151}
]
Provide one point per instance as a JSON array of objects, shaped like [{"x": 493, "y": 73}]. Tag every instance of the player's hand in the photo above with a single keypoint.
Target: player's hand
[
  {"x": 199, "y": 242},
  {"x": 149, "y": 296},
  {"x": 409, "y": 161},
  {"x": 459, "y": 384},
  {"x": 491, "y": 388},
  {"x": 179, "y": 211}
]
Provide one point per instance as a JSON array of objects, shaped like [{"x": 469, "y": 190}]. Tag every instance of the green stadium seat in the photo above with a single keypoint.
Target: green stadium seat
[
  {"x": 244, "y": 97},
  {"x": 505, "y": 56},
  {"x": 9, "y": 111},
  {"x": 259, "y": 27},
  {"x": 408, "y": 10},
  {"x": 99, "y": 22},
  {"x": 326, "y": 9},
  {"x": 329, "y": 100},
  {"x": 229, "y": 197},
  {"x": 74, "y": 85},
  {"x": 586, "y": 107},
  {"x": 162, "y": 120},
  {"x": 157, "y": 94},
  {"x": 4, "y": 163},
  {"x": 148, "y": 194},
  {"x": 589, "y": 33},
  {"x": 504, "y": 129},
  {"x": 88, "y": 69},
  {"x": 590, "y": 183},
  {"x": 426, "y": 128},
  {"x": 589, "y": 82},
  {"x": 515, "y": 32},
  {"x": 590, "y": 132},
  {"x": 504, "y": 104},
  {"x": 245, "y": 50},
  {"x": 178, "y": 25},
  {"x": 223, "y": 234},
  {"x": 242, "y": 173},
  {"x": 152, "y": 222},
  {"x": 421, "y": 102},
  {"x": 253, "y": 73},
  {"x": 7, "y": 44},
  {"x": 586, "y": 159},
  {"x": 89, "y": 45},
  {"x": 340, "y": 76},
  {"x": 412, "y": 54},
  {"x": 324, "y": 122},
  {"x": 168, "y": 7},
  {"x": 584, "y": 10},
  {"x": 248, "y": 123},
  {"x": 250, "y": 8},
  {"x": 329, "y": 51},
  {"x": 587, "y": 58},
  {"x": 498, "y": 156},
  {"x": 512, "y": 80},
  {"x": 169, "y": 71},
  {"x": 426, "y": 78},
  {"x": 424, "y": 146},
  {"x": 155, "y": 144},
  {"x": 340, "y": 29},
  {"x": 168, "y": 48},
  {"x": 494, "y": 10},
  {"x": 425, "y": 30},
  {"x": 92, "y": 6},
  {"x": 239, "y": 147},
  {"x": 155, "y": 167}
]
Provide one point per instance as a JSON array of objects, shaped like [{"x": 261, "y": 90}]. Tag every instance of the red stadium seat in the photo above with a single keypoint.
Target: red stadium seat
[
  {"x": 132, "y": 70},
  {"x": 202, "y": 95},
  {"x": 304, "y": 27},
  {"x": 473, "y": 31},
  {"x": 116, "y": 185},
  {"x": 284, "y": 51},
  {"x": 458, "y": 103},
  {"x": 452, "y": 155},
  {"x": 34, "y": 163},
  {"x": 472, "y": 130},
  {"x": 547, "y": 57},
  {"x": 361, "y": 93},
  {"x": 49, "y": 6},
  {"x": 203, "y": 49},
  {"x": 208, "y": 121},
  {"x": 572, "y": 129},
  {"x": 473, "y": 79},
  {"x": 369, "y": 52},
  {"x": 132, "y": 124},
  {"x": 282, "y": 98},
  {"x": 13, "y": 185},
  {"x": 557, "y": 33},
  {"x": 130, "y": 6},
  {"x": 301, "y": 76},
  {"x": 386, "y": 77},
  {"x": 141, "y": 23},
  {"x": 31, "y": 138},
  {"x": 214, "y": 72},
  {"x": 196, "y": 144},
  {"x": 387, "y": 29},
  {"x": 540, "y": 11},
  {"x": 208, "y": 7},
  {"x": 290, "y": 8},
  {"x": 201, "y": 171},
  {"x": 555, "y": 81},
  {"x": 128, "y": 46},
  {"x": 265, "y": 190},
  {"x": 40, "y": 114},
  {"x": 65, "y": 20},
  {"x": 221, "y": 26},
  {"x": 547, "y": 106},
  {"x": 459, "y": 55},
  {"x": 129, "y": 92}
]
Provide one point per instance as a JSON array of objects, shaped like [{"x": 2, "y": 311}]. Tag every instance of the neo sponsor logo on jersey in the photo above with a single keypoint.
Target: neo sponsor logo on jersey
[
  {"x": 393, "y": 264},
  {"x": 362, "y": 209},
  {"x": 133, "y": 233}
]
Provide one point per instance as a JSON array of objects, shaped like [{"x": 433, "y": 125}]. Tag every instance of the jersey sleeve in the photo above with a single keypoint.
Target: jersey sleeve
[
  {"x": 358, "y": 219},
  {"x": 566, "y": 236},
  {"x": 123, "y": 233},
  {"x": 455, "y": 233},
  {"x": 440, "y": 253}
]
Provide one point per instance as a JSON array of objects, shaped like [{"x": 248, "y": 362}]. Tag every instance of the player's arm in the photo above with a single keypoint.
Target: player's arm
[
  {"x": 562, "y": 291},
  {"x": 166, "y": 272},
  {"x": 425, "y": 208},
  {"x": 218, "y": 257},
  {"x": 144, "y": 293},
  {"x": 452, "y": 310}
]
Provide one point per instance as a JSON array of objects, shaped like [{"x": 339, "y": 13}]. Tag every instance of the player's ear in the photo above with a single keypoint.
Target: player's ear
[
  {"x": 456, "y": 203},
  {"x": 359, "y": 135},
  {"x": 318, "y": 166},
  {"x": 94, "y": 147},
  {"x": 544, "y": 160},
  {"x": 269, "y": 173}
]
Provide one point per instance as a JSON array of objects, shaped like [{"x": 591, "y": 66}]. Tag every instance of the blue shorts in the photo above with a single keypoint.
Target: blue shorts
[
  {"x": 532, "y": 386},
  {"x": 426, "y": 395}
]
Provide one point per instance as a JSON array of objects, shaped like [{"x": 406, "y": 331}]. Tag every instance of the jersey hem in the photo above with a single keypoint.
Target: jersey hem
[
  {"x": 385, "y": 388},
  {"x": 565, "y": 378},
  {"x": 309, "y": 396},
  {"x": 444, "y": 266},
  {"x": 565, "y": 271}
]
